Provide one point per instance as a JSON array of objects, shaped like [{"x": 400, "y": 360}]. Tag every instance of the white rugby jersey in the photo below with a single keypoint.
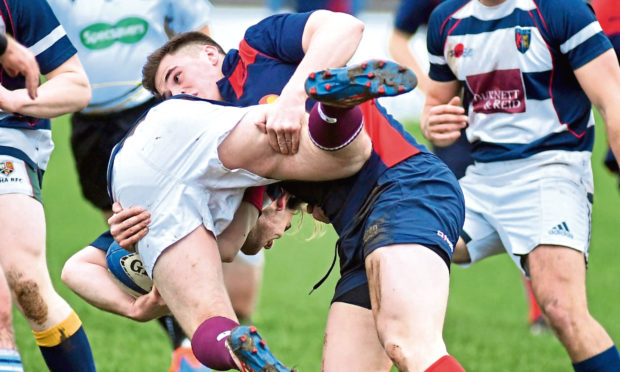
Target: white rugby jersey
[
  {"x": 516, "y": 62},
  {"x": 171, "y": 161},
  {"x": 114, "y": 37}
]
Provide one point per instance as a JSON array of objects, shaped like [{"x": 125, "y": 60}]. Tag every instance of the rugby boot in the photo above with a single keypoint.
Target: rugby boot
[
  {"x": 183, "y": 360},
  {"x": 352, "y": 85},
  {"x": 252, "y": 351}
]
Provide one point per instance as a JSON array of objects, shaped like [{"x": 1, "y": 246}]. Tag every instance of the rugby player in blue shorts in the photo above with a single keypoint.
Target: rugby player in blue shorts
[
  {"x": 190, "y": 70},
  {"x": 389, "y": 226},
  {"x": 532, "y": 70},
  {"x": 25, "y": 148}
]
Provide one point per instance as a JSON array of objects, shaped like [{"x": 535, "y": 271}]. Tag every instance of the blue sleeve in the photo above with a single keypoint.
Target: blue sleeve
[
  {"x": 33, "y": 24},
  {"x": 103, "y": 242},
  {"x": 279, "y": 36},
  {"x": 574, "y": 30},
  {"x": 413, "y": 13},
  {"x": 436, "y": 35}
]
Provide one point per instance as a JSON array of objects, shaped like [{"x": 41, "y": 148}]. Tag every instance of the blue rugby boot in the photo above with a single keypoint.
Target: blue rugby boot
[
  {"x": 252, "y": 351},
  {"x": 351, "y": 85}
]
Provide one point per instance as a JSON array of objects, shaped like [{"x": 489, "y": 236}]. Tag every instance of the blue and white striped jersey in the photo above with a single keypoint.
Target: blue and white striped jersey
[
  {"x": 114, "y": 38},
  {"x": 516, "y": 62},
  {"x": 33, "y": 24}
]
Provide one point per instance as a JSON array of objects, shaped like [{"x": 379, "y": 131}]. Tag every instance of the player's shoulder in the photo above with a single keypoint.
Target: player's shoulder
[
  {"x": 443, "y": 12},
  {"x": 449, "y": 7},
  {"x": 552, "y": 9},
  {"x": 446, "y": 10}
]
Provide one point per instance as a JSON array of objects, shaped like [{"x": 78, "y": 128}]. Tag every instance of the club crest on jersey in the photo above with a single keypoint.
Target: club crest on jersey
[
  {"x": 522, "y": 38},
  {"x": 269, "y": 98},
  {"x": 6, "y": 168}
]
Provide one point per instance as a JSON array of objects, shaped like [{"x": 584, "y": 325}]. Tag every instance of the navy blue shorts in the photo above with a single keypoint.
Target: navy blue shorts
[{"x": 417, "y": 201}]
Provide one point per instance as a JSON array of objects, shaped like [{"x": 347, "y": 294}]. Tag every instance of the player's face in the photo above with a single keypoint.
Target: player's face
[
  {"x": 189, "y": 74},
  {"x": 272, "y": 224}
]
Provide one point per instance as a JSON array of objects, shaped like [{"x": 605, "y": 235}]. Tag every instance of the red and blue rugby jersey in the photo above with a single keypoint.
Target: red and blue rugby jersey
[{"x": 258, "y": 71}]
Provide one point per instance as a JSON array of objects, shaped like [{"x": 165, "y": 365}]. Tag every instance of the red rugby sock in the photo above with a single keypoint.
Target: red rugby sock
[{"x": 446, "y": 363}]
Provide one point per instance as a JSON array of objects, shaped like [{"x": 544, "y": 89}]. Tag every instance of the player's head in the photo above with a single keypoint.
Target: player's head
[
  {"x": 275, "y": 220},
  {"x": 189, "y": 63}
]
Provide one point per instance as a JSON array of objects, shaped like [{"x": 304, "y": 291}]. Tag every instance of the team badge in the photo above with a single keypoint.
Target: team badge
[
  {"x": 6, "y": 168},
  {"x": 269, "y": 98},
  {"x": 522, "y": 39}
]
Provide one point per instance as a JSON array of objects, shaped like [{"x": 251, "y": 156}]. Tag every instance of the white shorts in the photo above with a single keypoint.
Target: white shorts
[
  {"x": 16, "y": 177},
  {"x": 515, "y": 206}
]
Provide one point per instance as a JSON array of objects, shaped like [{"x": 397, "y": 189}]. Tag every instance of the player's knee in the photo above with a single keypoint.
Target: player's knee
[
  {"x": 395, "y": 351},
  {"x": 29, "y": 296},
  {"x": 562, "y": 317}
]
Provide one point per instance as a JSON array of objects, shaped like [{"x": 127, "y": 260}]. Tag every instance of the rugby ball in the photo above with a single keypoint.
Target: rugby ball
[{"x": 128, "y": 271}]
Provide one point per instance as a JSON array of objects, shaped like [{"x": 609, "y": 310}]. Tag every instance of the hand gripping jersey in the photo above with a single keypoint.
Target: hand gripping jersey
[
  {"x": 114, "y": 37},
  {"x": 516, "y": 61},
  {"x": 33, "y": 24}
]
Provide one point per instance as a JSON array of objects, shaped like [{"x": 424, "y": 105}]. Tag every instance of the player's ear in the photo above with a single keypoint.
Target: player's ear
[
  {"x": 212, "y": 54},
  {"x": 281, "y": 201}
]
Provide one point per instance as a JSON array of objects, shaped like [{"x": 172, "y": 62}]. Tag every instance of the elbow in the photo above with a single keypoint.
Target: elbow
[
  {"x": 356, "y": 28},
  {"x": 229, "y": 251},
  {"x": 350, "y": 26},
  {"x": 67, "y": 273},
  {"x": 228, "y": 257},
  {"x": 85, "y": 95}
]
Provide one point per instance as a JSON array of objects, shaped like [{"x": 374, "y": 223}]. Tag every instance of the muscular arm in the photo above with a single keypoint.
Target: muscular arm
[
  {"x": 233, "y": 238},
  {"x": 329, "y": 40},
  {"x": 442, "y": 116},
  {"x": 86, "y": 273},
  {"x": 66, "y": 90},
  {"x": 600, "y": 80}
]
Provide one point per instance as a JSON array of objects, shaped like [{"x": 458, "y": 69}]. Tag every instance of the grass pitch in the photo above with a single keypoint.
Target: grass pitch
[{"x": 486, "y": 321}]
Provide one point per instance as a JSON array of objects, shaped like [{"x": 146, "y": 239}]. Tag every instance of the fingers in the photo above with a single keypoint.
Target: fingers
[
  {"x": 445, "y": 122},
  {"x": 130, "y": 243},
  {"x": 32, "y": 79},
  {"x": 261, "y": 126},
  {"x": 273, "y": 140},
  {"x": 295, "y": 141},
  {"x": 455, "y": 101},
  {"x": 116, "y": 207},
  {"x": 129, "y": 225}
]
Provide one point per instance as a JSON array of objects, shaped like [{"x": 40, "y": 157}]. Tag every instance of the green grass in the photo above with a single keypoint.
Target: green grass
[{"x": 486, "y": 321}]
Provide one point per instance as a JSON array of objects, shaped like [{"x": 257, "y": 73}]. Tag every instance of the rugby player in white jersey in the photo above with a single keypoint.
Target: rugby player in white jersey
[{"x": 531, "y": 71}]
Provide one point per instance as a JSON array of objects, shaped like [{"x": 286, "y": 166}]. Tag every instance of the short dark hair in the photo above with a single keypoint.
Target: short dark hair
[{"x": 173, "y": 45}]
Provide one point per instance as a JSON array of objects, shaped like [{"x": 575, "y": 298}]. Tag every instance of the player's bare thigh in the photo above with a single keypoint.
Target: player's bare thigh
[
  {"x": 409, "y": 286},
  {"x": 351, "y": 341},
  {"x": 189, "y": 276}
]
